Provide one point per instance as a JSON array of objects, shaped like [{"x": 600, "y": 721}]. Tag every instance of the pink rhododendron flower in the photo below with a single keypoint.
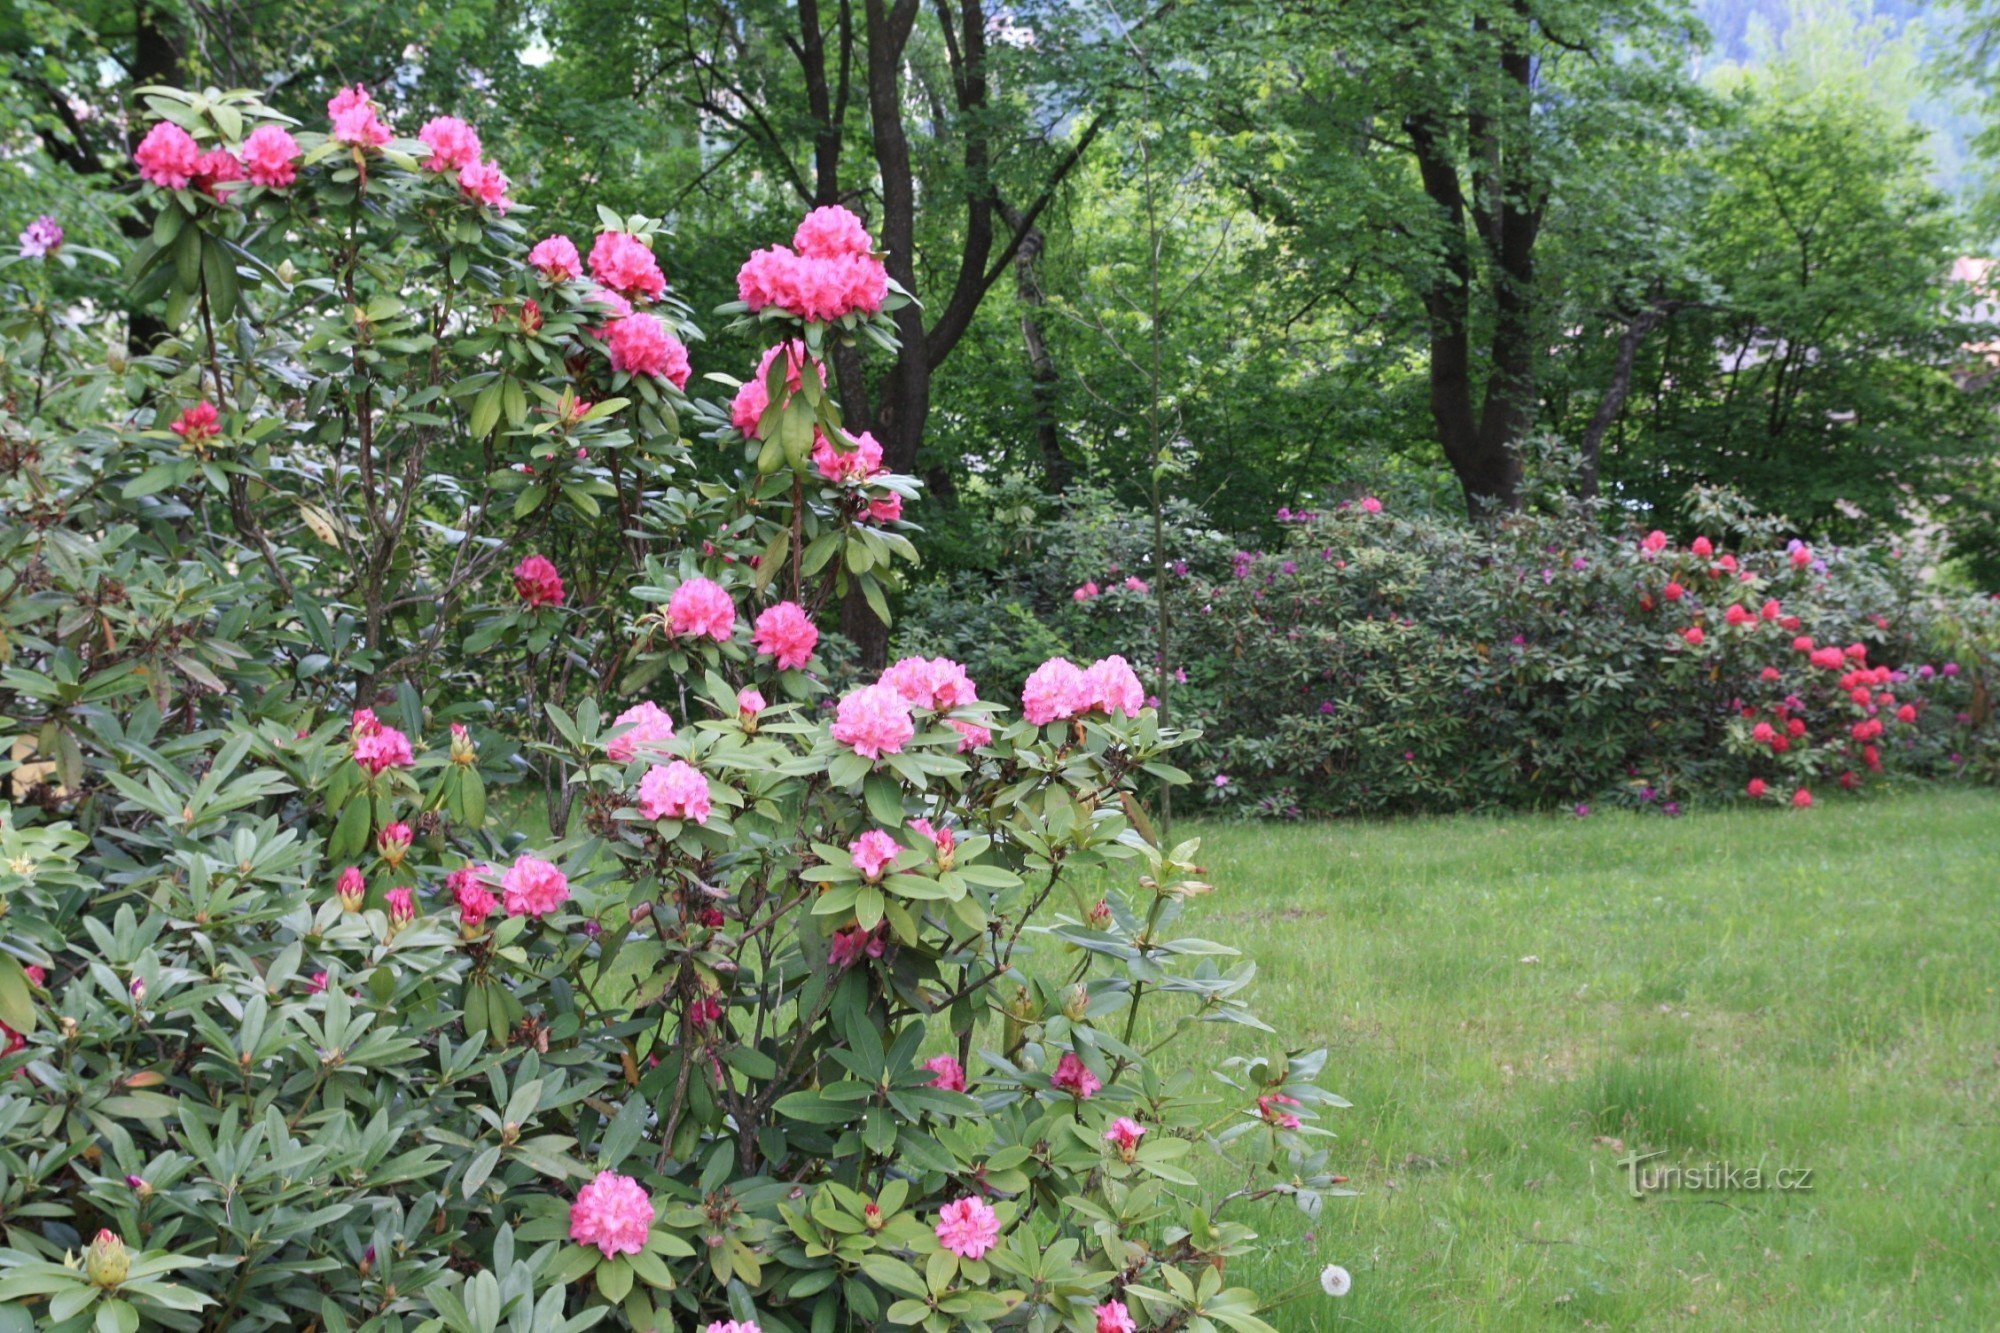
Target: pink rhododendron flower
[
  {"x": 1653, "y": 541},
  {"x": 832, "y": 231},
  {"x": 1370, "y": 505},
  {"x": 626, "y": 265},
  {"x": 1074, "y": 1077},
  {"x": 1738, "y": 614},
  {"x": 640, "y": 345},
  {"x": 316, "y": 984},
  {"x": 872, "y": 852},
  {"x": 747, "y": 409},
  {"x": 950, "y": 1074},
  {"x": 749, "y": 701},
  {"x": 612, "y": 1212},
  {"x": 1124, "y": 1135},
  {"x": 733, "y": 1326},
  {"x": 1056, "y": 690},
  {"x": 381, "y": 748},
  {"x": 556, "y": 259},
  {"x": 475, "y": 901},
  {"x": 701, "y": 607},
  {"x": 874, "y": 721},
  {"x": 612, "y": 304},
  {"x": 836, "y": 464},
  {"x": 197, "y": 424},
  {"x": 1085, "y": 591},
  {"x": 674, "y": 791},
  {"x": 812, "y": 287},
  {"x": 270, "y": 157},
  {"x": 1110, "y": 686},
  {"x": 215, "y": 171},
  {"x": 537, "y": 583},
  {"x": 41, "y": 238},
  {"x": 454, "y": 144},
  {"x": 1136, "y": 584},
  {"x": 1673, "y": 592},
  {"x": 1756, "y": 788},
  {"x": 402, "y": 907},
  {"x": 943, "y": 839},
  {"x": 968, "y": 1227},
  {"x": 786, "y": 632},
  {"x": 355, "y": 120},
  {"x": 887, "y": 509},
  {"x": 1113, "y": 1317},
  {"x": 970, "y": 734},
  {"x": 936, "y": 683},
  {"x": 167, "y": 156},
  {"x": 533, "y": 887},
  {"x": 1268, "y": 1107},
  {"x": 850, "y": 946},
  {"x": 1801, "y": 799},
  {"x": 1702, "y": 547},
  {"x": 484, "y": 183},
  {"x": 1694, "y": 635},
  {"x": 649, "y": 723}
]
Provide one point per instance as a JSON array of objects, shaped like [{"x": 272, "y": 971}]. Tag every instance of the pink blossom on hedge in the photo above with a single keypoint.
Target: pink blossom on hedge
[
  {"x": 836, "y": 464},
  {"x": 355, "y": 120},
  {"x": 674, "y": 791},
  {"x": 1702, "y": 547},
  {"x": 747, "y": 409},
  {"x": 270, "y": 157},
  {"x": 533, "y": 887},
  {"x": 850, "y": 946},
  {"x": 750, "y": 701},
  {"x": 351, "y": 889},
  {"x": 873, "y": 721},
  {"x": 1801, "y": 799},
  {"x": 537, "y": 583},
  {"x": 640, "y": 345},
  {"x": 1370, "y": 505},
  {"x": 475, "y": 901},
  {"x": 198, "y": 423},
  {"x": 968, "y": 1227},
  {"x": 971, "y": 734},
  {"x": 1084, "y": 591},
  {"x": 1057, "y": 689},
  {"x": 167, "y": 156},
  {"x": 382, "y": 748},
  {"x": 215, "y": 171},
  {"x": 555, "y": 257},
  {"x": 1694, "y": 635},
  {"x": 1074, "y": 1077},
  {"x": 826, "y": 233},
  {"x": 950, "y": 1074},
  {"x": 699, "y": 608},
  {"x": 1756, "y": 788},
  {"x": 873, "y": 852},
  {"x": 402, "y": 907},
  {"x": 1269, "y": 1108},
  {"x": 786, "y": 632},
  {"x": 942, "y": 838},
  {"x": 626, "y": 265},
  {"x": 1113, "y": 1317},
  {"x": 1653, "y": 542},
  {"x": 484, "y": 183},
  {"x": 454, "y": 144},
  {"x": 887, "y": 509},
  {"x": 1112, "y": 687},
  {"x": 732, "y": 1326},
  {"x": 1124, "y": 1135},
  {"x": 41, "y": 238},
  {"x": 612, "y": 1212},
  {"x": 649, "y": 723},
  {"x": 936, "y": 683}
]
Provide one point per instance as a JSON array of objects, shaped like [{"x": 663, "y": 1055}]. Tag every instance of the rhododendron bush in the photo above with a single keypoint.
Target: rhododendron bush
[{"x": 796, "y": 1016}]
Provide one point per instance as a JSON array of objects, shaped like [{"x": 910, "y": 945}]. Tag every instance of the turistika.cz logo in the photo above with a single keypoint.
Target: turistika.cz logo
[{"x": 1709, "y": 1177}]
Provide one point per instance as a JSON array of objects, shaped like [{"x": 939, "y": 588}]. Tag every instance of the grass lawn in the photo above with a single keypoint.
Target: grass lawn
[{"x": 1512, "y": 1004}]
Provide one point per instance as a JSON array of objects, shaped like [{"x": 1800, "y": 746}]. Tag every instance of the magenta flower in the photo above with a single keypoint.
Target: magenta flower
[
  {"x": 612, "y": 1212},
  {"x": 674, "y": 791},
  {"x": 648, "y": 724},
  {"x": 968, "y": 1227},
  {"x": 701, "y": 608},
  {"x": 874, "y": 721},
  {"x": 786, "y": 633},
  {"x": 533, "y": 887}
]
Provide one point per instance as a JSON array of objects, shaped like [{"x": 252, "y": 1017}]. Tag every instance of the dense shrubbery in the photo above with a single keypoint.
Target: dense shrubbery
[
  {"x": 299, "y": 1032},
  {"x": 1378, "y": 661}
]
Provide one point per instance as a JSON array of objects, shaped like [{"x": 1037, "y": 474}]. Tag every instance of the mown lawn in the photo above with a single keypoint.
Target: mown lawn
[{"x": 1512, "y": 1004}]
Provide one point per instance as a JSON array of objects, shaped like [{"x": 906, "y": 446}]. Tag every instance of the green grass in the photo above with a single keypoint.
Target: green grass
[{"x": 1512, "y": 1003}]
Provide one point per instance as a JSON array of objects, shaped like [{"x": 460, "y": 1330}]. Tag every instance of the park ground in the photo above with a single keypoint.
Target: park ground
[{"x": 1513, "y": 1005}]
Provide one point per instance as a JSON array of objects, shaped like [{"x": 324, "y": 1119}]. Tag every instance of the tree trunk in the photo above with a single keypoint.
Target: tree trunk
[{"x": 1056, "y": 469}]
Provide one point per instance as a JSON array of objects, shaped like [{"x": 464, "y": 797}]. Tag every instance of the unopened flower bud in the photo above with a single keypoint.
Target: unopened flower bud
[
  {"x": 138, "y": 989},
  {"x": 394, "y": 843},
  {"x": 353, "y": 890},
  {"x": 106, "y": 1262},
  {"x": 1100, "y": 915},
  {"x": 872, "y": 1215},
  {"x": 1076, "y": 1003},
  {"x": 139, "y": 1186},
  {"x": 463, "y": 751},
  {"x": 402, "y": 907}
]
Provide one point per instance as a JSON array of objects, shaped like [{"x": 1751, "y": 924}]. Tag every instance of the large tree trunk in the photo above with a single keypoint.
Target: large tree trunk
[{"x": 1056, "y": 469}]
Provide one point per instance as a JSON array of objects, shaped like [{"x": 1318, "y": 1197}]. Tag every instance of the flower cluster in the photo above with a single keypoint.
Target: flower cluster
[{"x": 829, "y": 271}]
